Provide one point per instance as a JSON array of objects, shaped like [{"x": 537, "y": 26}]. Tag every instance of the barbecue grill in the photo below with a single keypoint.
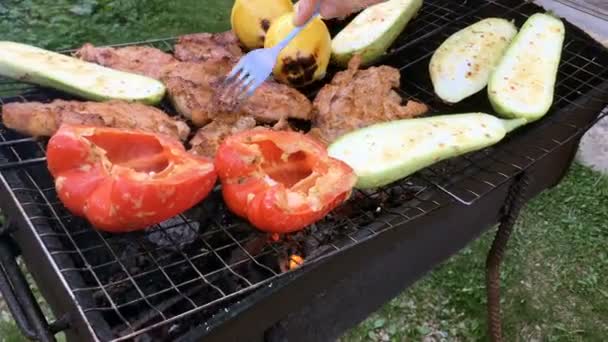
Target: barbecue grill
[{"x": 207, "y": 274}]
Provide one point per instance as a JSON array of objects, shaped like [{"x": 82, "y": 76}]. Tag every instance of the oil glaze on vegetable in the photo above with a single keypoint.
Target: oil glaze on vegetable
[
  {"x": 87, "y": 80},
  {"x": 373, "y": 31},
  {"x": 463, "y": 63},
  {"x": 523, "y": 84},
  {"x": 386, "y": 152}
]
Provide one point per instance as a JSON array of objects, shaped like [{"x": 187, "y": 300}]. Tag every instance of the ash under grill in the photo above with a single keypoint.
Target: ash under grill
[{"x": 206, "y": 262}]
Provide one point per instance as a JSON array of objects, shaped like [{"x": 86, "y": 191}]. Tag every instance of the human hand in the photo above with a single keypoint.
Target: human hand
[{"x": 330, "y": 8}]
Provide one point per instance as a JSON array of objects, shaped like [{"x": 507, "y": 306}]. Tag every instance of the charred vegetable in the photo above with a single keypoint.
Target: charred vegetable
[
  {"x": 373, "y": 31},
  {"x": 90, "y": 81},
  {"x": 462, "y": 64},
  {"x": 386, "y": 152},
  {"x": 523, "y": 84},
  {"x": 280, "y": 181},
  {"x": 306, "y": 57},
  {"x": 250, "y": 19},
  {"x": 122, "y": 180}
]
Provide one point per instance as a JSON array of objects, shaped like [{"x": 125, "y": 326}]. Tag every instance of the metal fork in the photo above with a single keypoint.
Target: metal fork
[{"x": 256, "y": 66}]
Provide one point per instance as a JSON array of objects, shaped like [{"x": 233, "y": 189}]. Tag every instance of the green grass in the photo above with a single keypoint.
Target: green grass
[
  {"x": 64, "y": 24},
  {"x": 554, "y": 275}
]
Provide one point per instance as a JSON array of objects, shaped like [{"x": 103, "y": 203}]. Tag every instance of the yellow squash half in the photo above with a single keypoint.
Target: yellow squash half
[
  {"x": 306, "y": 57},
  {"x": 250, "y": 19}
]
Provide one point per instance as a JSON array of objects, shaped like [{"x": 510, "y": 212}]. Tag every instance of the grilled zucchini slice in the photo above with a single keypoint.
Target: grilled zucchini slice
[
  {"x": 372, "y": 31},
  {"x": 386, "y": 152},
  {"x": 523, "y": 83},
  {"x": 463, "y": 63},
  {"x": 88, "y": 80}
]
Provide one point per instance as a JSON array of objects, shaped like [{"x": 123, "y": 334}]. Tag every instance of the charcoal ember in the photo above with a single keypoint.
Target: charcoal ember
[
  {"x": 309, "y": 240},
  {"x": 317, "y": 236},
  {"x": 371, "y": 200},
  {"x": 174, "y": 233},
  {"x": 340, "y": 213},
  {"x": 230, "y": 282},
  {"x": 402, "y": 194},
  {"x": 124, "y": 251},
  {"x": 204, "y": 212},
  {"x": 132, "y": 260},
  {"x": 225, "y": 217},
  {"x": 135, "y": 260},
  {"x": 252, "y": 247},
  {"x": 209, "y": 208},
  {"x": 310, "y": 245},
  {"x": 349, "y": 208}
]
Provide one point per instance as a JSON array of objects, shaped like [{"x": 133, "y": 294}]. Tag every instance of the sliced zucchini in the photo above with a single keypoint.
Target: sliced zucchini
[
  {"x": 462, "y": 64},
  {"x": 523, "y": 83},
  {"x": 386, "y": 152},
  {"x": 372, "y": 31},
  {"x": 88, "y": 80}
]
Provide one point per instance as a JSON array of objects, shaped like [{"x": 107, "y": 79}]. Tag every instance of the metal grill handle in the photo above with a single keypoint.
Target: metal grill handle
[{"x": 18, "y": 296}]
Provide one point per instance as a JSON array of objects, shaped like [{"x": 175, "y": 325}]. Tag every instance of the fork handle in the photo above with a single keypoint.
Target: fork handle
[{"x": 282, "y": 44}]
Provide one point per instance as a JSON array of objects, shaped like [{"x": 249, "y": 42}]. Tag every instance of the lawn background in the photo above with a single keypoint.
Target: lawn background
[{"x": 554, "y": 278}]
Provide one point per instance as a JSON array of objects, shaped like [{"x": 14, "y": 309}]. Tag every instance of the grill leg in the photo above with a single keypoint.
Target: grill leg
[
  {"x": 20, "y": 300},
  {"x": 513, "y": 205}
]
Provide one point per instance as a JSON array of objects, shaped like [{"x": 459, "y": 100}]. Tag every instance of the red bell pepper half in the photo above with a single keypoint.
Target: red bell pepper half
[
  {"x": 280, "y": 181},
  {"x": 122, "y": 180}
]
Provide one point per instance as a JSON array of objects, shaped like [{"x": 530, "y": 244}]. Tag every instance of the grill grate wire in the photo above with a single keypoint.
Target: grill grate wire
[{"x": 205, "y": 259}]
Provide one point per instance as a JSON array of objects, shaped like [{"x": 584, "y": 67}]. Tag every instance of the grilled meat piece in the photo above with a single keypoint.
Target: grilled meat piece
[
  {"x": 274, "y": 101},
  {"x": 43, "y": 119},
  {"x": 358, "y": 98},
  {"x": 143, "y": 60},
  {"x": 207, "y": 139},
  {"x": 204, "y": 46},
  {"x": 192, "y": 85},
  {"x": 151, "y": 62},
  {"x": 193, "y": 88}
]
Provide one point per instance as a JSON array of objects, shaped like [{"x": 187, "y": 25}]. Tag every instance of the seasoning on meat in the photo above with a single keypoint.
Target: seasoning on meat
[
  {"x": 358, "y": 98},
  {"x": 205, "y": 46},
  {"x": 44, "y": 119},
  {"x": 193, "y": 84},
  {"x": 207, "y": 139},
  {"x": 193, "y": 89},
  {"x": 274, "y": 101},
  {"x": 143, "y": 60},
  {"x": 194, "y": 79}
]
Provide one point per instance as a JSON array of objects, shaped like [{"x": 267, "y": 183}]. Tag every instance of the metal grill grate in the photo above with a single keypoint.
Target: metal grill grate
[{"x": 206, "y": 259}]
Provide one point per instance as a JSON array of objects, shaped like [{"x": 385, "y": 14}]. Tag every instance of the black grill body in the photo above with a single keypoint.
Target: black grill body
[{"x": 208, "y": 274}]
